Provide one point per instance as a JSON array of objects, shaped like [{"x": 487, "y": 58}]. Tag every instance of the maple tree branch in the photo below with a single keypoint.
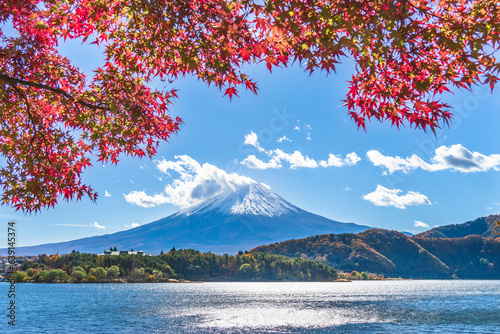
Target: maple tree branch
[
  {"x": 424, "y": 11},
  {"x": 28, "y": 110},
  {"x": 11, "y": 81},
  {"x": 58, "y": 91},
  {"x": 3, "y": 120}
]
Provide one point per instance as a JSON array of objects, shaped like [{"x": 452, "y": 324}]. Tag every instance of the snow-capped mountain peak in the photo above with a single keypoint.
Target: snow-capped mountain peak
[
  {"x": 240, "y": 218},
  {"x": 250, "y": 199}
]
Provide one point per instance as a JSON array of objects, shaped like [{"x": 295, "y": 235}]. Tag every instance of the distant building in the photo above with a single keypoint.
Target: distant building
[
  {"x": 136, "y": 253},
  {"x": 110, "y": 252}
]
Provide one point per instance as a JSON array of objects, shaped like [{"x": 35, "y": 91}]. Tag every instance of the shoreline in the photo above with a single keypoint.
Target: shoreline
[{"x": 174, "y": 281}]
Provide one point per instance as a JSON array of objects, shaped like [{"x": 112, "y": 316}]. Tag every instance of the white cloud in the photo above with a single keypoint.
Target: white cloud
[
  {"x": 106, "y": 193},
  {"x": 308, "y": 134},
  {"x": 295, "y": 159},
  {"x": 97, "y": 226},
  {"x": 296, "y": 128},
  {"x": 393, "y": 164},
  {"x": 252, "y": 140},
  {"x": 133, "y": 225},
  {"x": 268, "y": 187},
  {"x": 418, "y": 223},
  {"x": 489, "y": 208},
  {"x": 347, "y": 188},
  {"x": 390, "y": 197},
  {"x": 333, "y": 160},
  {"x": 351, "y": 159},
  {"x": 255, "y": 163},
  {"x": 308, "y": 126},
  {"x": 140, "y": 198},
  {"x": 455, "y": 157},
  {"x": 336, "y": 160},
  {"x": 284, "y": 138},
  {"x": 194, "y": 184}
]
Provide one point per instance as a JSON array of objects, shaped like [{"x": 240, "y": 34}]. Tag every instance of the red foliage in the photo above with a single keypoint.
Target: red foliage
[{"x": 54, "y": 119}]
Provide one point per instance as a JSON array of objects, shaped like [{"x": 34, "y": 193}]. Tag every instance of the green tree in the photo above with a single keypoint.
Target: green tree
[
  {"x": 245, "y": 270},
  {"x": 169, "y": 272},
  {"x": 31, "y": 272},
  {"x": 78, "y": 273},
  {"x": 40, "y": 276},
  {"x": 138, "y": 273},
  {"x": 98, "y": 272},
  {"x": 51, "y": 275},
  {"x": 113, "y": 272},
  {"x": 19, "y": 276}
]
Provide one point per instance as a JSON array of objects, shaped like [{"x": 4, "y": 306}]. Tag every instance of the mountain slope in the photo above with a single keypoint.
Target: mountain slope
[
  {"x": 247, "y": 217},
  {"x": 484, "y": 226},
  {"x": 394, "y": 254},
  {"x": 469, "y": 257},
  {"x": 390, "y": 253}
]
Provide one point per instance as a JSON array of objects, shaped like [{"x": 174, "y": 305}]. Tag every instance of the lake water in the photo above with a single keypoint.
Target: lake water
[{"x": 357, "y": 307}]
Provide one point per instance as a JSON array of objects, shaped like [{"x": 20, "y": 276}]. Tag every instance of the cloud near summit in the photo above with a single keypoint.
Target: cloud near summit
[{"x": 193, "y": 184}]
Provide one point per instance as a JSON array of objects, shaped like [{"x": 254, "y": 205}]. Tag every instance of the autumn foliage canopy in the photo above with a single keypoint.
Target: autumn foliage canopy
[{"x": 54, "y": 118}]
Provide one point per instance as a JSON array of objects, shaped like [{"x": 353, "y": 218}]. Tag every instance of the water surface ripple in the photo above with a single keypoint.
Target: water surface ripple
[{"x": 357, "y": 307}]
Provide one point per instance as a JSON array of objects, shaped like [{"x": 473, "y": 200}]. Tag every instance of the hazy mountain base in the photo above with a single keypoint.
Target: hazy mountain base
[{"x": 393, "y": 254}]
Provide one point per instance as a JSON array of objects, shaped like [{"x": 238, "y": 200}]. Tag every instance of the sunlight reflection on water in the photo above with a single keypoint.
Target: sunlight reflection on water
[
  {"x": 265, "y": 317},
  {"x": 271, "y": 305},
  {"x": 251, "y": 308}
]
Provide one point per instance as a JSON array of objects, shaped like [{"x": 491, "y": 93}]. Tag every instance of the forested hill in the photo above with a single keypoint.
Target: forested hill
[
  {"x": 176, "y": 264},
  {"x": 485, "y": 226},
  {"x": 394, "y": 254}
]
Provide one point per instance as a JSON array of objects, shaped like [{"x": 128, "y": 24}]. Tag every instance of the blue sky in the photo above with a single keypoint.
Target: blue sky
[{"x": 297, "y": 138}]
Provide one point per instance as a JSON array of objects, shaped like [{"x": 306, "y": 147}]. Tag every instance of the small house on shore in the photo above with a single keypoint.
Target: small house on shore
[{"x": 113, "y": 252}]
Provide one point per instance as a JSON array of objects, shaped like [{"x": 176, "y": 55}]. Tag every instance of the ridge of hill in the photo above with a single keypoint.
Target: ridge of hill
[
  {"x": 393, "y": 254},
  {"x": 484, "y": 226}
]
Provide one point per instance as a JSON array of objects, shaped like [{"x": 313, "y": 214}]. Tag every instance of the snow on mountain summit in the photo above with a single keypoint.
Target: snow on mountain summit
[
  {"x": 243, "y": 217},
  {"x": 250, "y": 199}
]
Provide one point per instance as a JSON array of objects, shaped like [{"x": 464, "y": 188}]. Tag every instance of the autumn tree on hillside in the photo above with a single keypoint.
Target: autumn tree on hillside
[{"x": 54, "y": 119}]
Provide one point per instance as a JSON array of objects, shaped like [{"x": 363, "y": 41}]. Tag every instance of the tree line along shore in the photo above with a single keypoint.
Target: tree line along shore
[{"x": 174, "y": 266}]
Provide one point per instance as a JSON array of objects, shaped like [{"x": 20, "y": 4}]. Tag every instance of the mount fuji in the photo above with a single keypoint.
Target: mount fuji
[{"x": 240, "y": 219}]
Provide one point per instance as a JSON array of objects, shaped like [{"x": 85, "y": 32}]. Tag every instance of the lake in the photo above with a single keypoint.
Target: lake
[{"x": 359, "y": 307}]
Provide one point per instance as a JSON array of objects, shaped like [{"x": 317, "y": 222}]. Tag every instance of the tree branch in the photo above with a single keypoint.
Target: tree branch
[
  {"x": 424, "y": 11},
  {"x": 12, "y": 81}
]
